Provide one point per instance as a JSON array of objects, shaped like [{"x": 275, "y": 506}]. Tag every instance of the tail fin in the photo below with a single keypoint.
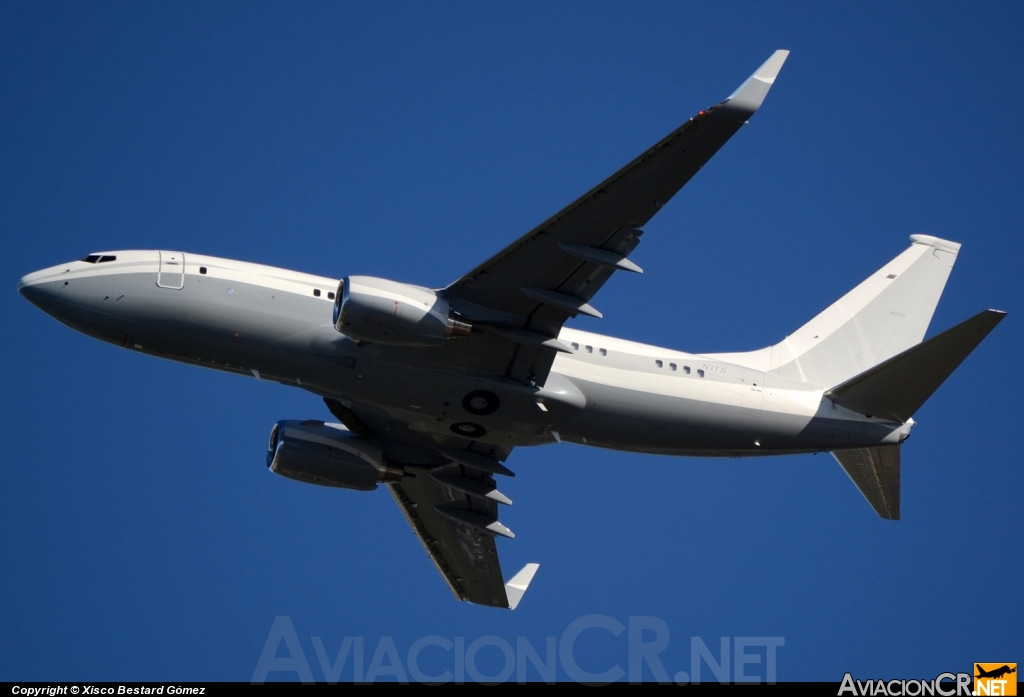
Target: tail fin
[
  {"x": 897, "y": 388},
  {"x": 887, "y": 313},
  {"x": 876, "y": 472}
]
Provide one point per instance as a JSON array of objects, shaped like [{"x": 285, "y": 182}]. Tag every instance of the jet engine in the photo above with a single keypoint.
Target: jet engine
[
  {"x": 382, "y": 311},
  {"x": 327, "y": 454}
]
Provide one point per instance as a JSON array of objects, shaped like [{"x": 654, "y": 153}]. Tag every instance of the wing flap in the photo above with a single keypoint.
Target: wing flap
[{"x": 464, "y": 554}]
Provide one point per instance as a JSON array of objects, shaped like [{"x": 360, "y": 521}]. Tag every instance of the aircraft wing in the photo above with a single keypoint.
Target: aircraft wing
[
  {"x": 457, "y": 523},
  {"x": 450, "y": 499},
  {"x": 464, "y": 554},
  {"x": 528, "y": 290}
]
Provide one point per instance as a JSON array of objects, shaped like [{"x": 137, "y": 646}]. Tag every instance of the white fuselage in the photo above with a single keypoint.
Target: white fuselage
[{"x": 276, "y": 324}]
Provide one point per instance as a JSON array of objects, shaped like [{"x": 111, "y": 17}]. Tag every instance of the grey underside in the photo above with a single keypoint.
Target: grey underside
[{"x": 637, "y": 421}]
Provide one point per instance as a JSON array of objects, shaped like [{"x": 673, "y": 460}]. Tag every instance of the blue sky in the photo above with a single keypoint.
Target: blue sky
[{"x": 145, "y": 539}]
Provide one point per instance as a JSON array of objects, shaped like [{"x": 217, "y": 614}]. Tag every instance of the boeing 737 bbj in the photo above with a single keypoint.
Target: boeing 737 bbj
[{"x": 434, "y": 388}]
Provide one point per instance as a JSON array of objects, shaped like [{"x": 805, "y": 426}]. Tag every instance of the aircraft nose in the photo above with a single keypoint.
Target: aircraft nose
[
  {"x": 39, "y": 292},
  {"x": 42, "y": 289},
  {"x": 25, "y": 289},
  {"x": 28, "y": 280}
]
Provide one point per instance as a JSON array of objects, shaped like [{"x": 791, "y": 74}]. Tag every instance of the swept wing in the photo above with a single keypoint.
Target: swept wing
[{"x": 550, "y": 274}]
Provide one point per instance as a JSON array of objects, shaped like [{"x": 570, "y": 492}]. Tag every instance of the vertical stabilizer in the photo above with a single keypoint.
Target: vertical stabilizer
[{"x": 886, "y": 314}]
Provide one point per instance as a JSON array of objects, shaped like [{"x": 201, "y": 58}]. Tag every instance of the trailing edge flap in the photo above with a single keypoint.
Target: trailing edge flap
[
  {"x": 464, "y": 552},
  {"x": 896, "y": 388},
  {"x": 876, "y": 472}
]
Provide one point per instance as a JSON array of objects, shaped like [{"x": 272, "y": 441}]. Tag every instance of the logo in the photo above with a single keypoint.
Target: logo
[
  {"x": 944, "y": 685},
  {"x": 995, "y": 678}
]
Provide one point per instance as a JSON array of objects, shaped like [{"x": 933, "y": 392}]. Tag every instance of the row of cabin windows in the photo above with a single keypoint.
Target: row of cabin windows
[
  {"x": 658, "y": 362},
  {"x": 97, "y": 259},
  {"x": 589, "y": 349},
  {"x": 673, "y": 366},
  {"x": 202, "y": 270}
]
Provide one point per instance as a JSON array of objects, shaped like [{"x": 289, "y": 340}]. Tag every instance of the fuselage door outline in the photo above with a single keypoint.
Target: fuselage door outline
[{"x": 171, "y": 273}]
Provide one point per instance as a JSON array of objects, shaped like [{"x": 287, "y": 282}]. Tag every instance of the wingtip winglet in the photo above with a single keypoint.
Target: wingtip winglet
[
  {"x": 515, "y": 589},
  {"x": 749, "y": 96},
  {"x": 769, "y": 70}
]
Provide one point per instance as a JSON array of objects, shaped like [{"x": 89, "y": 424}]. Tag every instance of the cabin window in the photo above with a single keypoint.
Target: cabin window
[
  {"x": 108, "y": 257},
  {"x": 92, "y": 258},
  {"x": 604, "y": 352},
  {"x": 575, "y": 346},
  {"x": 659, "y": 363},
  {"x": 202, "y": 270},
  {"x": 316, "y": 292},
  {"x": 590, "y": 349},
  {"x": 700, "y": 372},
  {"x": 672, "y": 366},
  {"x": 686, "y": 369},
  {"x": 330, "y": 295}
]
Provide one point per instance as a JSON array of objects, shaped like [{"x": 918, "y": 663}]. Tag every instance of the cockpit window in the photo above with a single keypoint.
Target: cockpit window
[
  {"x": 92, "y": 258},
  {"x": 107, "y": 258}
]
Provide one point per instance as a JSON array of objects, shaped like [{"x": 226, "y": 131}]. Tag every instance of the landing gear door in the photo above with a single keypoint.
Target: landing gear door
[{"x": 172, "y": 270}]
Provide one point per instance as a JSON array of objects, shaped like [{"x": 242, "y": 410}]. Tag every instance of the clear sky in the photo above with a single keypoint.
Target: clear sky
[{"x": 144, "y": 538}]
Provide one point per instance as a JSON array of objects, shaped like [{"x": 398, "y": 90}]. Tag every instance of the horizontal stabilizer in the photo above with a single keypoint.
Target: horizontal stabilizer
[
  {"x": 897, "y": 388},
  {"x": 515, "y": 589},
  {"x": 876, "y": 472}
]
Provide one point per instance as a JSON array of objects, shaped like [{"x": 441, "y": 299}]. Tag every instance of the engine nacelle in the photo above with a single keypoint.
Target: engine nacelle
[
  {"x": 327, "y": 454},
  {"x": 386, "y": 312}
]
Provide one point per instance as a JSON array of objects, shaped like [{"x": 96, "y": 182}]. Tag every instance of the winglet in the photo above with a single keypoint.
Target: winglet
[
  {"x": 750, "y": 95},
  {"x": 515, "y": 589}
]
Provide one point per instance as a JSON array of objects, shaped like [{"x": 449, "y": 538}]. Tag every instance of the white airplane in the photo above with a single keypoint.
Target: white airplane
[{"x": 434, "y": 388}]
